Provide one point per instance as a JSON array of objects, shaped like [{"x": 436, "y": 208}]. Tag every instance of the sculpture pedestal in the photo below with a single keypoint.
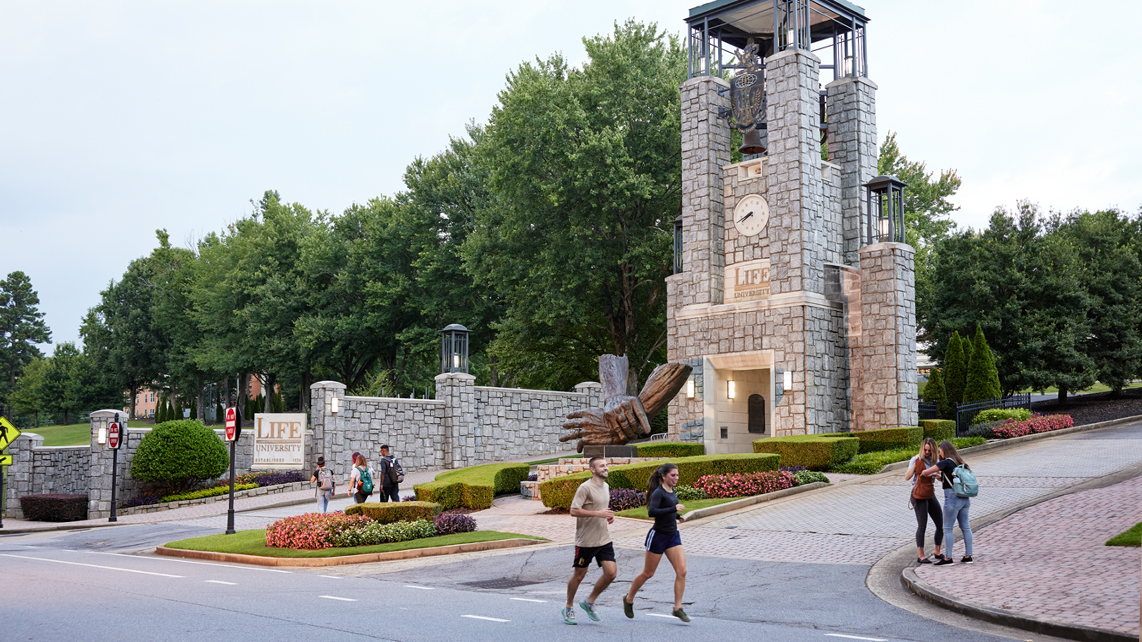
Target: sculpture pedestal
[{"x": 609, "y": 451}]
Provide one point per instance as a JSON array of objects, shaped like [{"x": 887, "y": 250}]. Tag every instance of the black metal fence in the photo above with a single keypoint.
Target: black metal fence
[
  {"x": 929, "y": 410},
  {"x": 965, "y": 412}
]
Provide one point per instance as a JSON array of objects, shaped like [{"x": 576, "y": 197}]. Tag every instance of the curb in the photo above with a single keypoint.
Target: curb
[
  {"x": 412, "y": 553},
  {"x": 997, "y": 616},
  {"x": 1016, "y": 441},
  {"x": 710, "y": 511}
]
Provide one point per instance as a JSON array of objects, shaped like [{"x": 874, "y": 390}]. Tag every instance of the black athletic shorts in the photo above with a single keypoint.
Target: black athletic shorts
[{"x": 584, "y": 555}]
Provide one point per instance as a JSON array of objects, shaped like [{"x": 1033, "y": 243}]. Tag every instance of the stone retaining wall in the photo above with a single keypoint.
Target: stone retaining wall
[{"x": 225, "y": 497}]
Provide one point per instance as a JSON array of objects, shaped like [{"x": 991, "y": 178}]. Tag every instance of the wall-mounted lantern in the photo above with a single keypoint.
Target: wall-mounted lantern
[
  {"x": 731, "y": 387},
  {"x": 454, "y": 349},
  {"x": 787, "y": 379},
  {"x": 334, "y": 405},
  {"x": 885, "y": 210},
  {"x": 689, "y": 388}
]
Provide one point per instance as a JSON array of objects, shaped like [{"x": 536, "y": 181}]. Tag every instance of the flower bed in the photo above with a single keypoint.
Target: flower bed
[
  {"x": 315, "y": 531},
  {"x": 744, "y": 484},
  {"x": 1036, "y": 424}
]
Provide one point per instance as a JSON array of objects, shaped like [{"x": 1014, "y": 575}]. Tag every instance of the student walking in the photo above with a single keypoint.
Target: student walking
[
  {"x": 663, "y": 539},
  {"x": 955, "y": 507},
  {"x": 923, "y": 499},
  {"x": 326, "y": 484},
  {"x": 591, "y": 510},
  {"x": 361, "y": 481},
  {"x": 391, "y": 476}
]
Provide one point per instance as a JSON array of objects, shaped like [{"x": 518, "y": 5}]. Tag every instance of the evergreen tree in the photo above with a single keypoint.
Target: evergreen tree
[
  {"x": 194, "y": 411},
  {"x": 934, "y": 393},
  {"x": 969, "y": 348},
  {"x": 982, "y": 377},
  {"x": 21, "y": 328},
  {"x": 176, "y": 410},
  {"x": 955, "y": 370},
  {"x": 219, "y": 413}
]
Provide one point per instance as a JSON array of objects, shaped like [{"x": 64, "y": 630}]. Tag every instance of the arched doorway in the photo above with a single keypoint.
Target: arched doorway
[{"x": 757, "y": 414}]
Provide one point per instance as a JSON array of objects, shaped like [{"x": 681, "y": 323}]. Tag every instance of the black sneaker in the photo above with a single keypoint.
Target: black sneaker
[
  {"x": 923, "y": 560},
  {"x": 944, "y": 562},
  {"x": 966, "y": 559},
  {"x": 628, "y": 608}
]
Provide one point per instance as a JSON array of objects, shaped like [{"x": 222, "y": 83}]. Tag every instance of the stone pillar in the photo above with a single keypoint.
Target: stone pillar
[
  {"x": 458, "y": 392},
  {"x": 99, "y": 479},
  {"x": 20, "y": 480},
  {"x": 705, "y": 150},
  {"x": 793, "y": 173},
  {"x": 327, "y": 439},
  {"x": 852, "y": 145},
  {"x": 888, "y": 338}
]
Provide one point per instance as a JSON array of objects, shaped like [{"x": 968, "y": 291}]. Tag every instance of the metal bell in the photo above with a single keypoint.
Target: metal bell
[{"x": 751, "y": 143}]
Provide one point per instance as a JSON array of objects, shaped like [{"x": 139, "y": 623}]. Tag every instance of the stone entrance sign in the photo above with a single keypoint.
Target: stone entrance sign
[{"x": 279, "y": 441}]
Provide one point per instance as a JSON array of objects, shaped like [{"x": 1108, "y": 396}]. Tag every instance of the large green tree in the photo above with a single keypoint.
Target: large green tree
[
  {"x": 585, "y": 169},
  {"x": 982, "y": 376},
  {"x": 28, "y": 396},
  {"x": 21, "y": 328}
]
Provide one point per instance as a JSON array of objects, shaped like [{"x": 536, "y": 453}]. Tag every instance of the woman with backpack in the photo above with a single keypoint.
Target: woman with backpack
[
  {"x": 955, "y": 506},
  {"x": 326, "y": 484},
  {"x": 361, "y": 481},
  {"x": 663, "y": 539},
  {"x": 923, "y": 499}
]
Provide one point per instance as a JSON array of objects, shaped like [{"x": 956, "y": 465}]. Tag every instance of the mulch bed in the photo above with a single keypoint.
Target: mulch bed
[{"x": 1093, "y": 408}]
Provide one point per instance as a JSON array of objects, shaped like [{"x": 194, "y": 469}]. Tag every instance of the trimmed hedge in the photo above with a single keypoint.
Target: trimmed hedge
[
  {"x": 815, "y": 452},
  {"x": 473, "y": 487},
  {"x": 889, "y": 438},
  {"x": 54, "y": 508},
  {"x": 558, "y": 492},
  {"x": 207, "y": 492},
  {"x": 389, "y": 512},
  {"x": 1001, "y": 414},
  {"x": 671, "y": 449},
  {"x": 939, "y": 429}
]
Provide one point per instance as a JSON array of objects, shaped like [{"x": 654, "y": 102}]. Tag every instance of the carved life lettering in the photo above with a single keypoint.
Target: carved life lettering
[{"x": 747, "y": 281}]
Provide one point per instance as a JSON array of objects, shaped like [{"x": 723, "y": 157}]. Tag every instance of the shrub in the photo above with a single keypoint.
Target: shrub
[
  {"x": 180, "y": 455},
  {"x": 967, "y": 442},
  {"x": 473, "y": 487},
  {"x": 815, "y": 452},
  {"x": 373, "y": 533},
  {"x": 143, "y": 499},
  {"x": 793, "y": 469},
  {"x": 265, "y": 478},
  {"x": 670, "y": 449},
  {"x": 744, "y": 485},
  {"x": 1036, "y": 424},
  {"x": 533, "y": 477},
  {"x": 938, "y": 429},
  {"x": 687, "y": 493},
  {"x": 871, "y": 463},
  {"x": 389, "y": 512},
  {"x": 206, "y": 492},
  {"x": 558, "y": 492},
  {"x": 54, "y": 508},
  {"x": 451, "y": 523},
  {"x": 889, "y": 438},
  {"x": 808, "y": 477},
  {"x": 311, "y": 530},
  {"x": 983, "y": 430},
  {"x": 624, "y": 498},
  {"x": 992, "y": 415}
]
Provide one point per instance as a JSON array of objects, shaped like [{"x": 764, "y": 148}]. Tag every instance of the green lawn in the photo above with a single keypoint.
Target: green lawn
[
  {"x": 1098, "y": 387},
  {"x": 1132, "y": 537},
  {"x": 553, "y": 460},
  {"x": 254, "y": 543},
  {"x": 74, "y": 434},
  {"x": 871, "y": 463},
  {"x": 693, "y": 504}
]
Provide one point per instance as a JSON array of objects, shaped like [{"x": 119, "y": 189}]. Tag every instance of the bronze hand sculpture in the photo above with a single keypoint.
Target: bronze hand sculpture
[{"x": 622, "y": 417}]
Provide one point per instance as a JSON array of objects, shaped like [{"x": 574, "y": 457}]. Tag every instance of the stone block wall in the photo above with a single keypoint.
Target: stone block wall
[
  {"x": 887, "y": 357},
  {"x": 851, "y": 105},
  {"x": 705, "y": 150}
]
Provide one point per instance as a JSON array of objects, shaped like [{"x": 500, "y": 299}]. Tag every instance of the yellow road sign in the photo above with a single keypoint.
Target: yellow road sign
[
  {"x": 5, "y": 460},
  {"x": 8, "y": 433}
]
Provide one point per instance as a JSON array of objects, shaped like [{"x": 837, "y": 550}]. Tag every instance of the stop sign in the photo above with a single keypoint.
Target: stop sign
[
  {"x": 113, "y": 436},
  {"x": 231, "y": 423}
]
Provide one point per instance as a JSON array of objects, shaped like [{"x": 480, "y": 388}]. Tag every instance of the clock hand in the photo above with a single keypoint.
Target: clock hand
[{"x": 745, "y": 217}]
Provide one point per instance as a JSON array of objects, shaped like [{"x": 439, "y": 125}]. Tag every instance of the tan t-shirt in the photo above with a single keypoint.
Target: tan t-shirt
[{"x": 592, "y": 531}]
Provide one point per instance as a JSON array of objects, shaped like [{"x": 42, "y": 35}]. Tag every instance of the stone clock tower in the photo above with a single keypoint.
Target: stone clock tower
[{"x": 795, "y": 301}]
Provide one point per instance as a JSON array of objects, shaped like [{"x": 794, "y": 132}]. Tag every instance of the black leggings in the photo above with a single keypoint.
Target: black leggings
[{"x": 924, "y": 508}]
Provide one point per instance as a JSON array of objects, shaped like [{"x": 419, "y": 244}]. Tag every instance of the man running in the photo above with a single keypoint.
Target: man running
[{"x": 591, "y": 508}]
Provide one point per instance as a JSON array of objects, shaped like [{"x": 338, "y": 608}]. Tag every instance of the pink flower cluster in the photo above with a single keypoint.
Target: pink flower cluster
[
  {"x": 744, "y": 484},
  {"x": 311, "y": 530},
  {"x": 1036, "y": 424}
]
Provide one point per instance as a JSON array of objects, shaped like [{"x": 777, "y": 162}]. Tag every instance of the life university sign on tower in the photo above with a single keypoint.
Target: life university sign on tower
[{"x": 279, "y": 441}]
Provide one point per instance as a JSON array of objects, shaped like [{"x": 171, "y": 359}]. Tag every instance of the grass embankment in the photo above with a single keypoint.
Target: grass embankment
[
  {"x": 74, "y": 434},
  {"x": 254, "y": 543},
  {"x": 1132, "y": 537},
  {"x": 553, "y": 460},
  {"x": 871, "y": 463},
  {"x": 694, "y": 504}
]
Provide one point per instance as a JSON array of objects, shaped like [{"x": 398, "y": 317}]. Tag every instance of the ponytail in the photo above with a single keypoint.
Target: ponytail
[{"x": 656, "y": 478}]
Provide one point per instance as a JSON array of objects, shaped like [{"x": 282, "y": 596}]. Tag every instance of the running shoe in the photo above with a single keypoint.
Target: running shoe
[
  {"x": 628, "y": 608},
  {"x": 966, "y": 559},
  {"x": 923, "y": 560},
  {"x": 569, "y": 616},
  {"x": 944, "y": 562},
  {"x": 589, "y": 609},
  {"x": 681, "y": 615}
]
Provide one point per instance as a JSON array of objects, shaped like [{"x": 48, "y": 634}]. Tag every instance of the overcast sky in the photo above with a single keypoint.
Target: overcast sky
[{"x": 118, "y": 118}]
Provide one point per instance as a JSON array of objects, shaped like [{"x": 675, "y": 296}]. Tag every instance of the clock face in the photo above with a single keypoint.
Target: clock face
[{"x": 751, "y": 215}]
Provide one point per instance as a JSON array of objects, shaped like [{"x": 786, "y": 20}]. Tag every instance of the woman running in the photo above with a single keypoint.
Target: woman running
[
  {"x": 955, "y": 507},
  {"x": 663, "y": 506},
  {"x": 924, "y": 500}
]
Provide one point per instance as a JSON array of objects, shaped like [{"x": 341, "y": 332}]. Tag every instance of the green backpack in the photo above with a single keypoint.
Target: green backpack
[{"x": 366, "y": 480}]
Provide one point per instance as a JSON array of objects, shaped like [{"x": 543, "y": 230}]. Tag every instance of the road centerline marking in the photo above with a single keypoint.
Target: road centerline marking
[
  {"x": 423, "y": 588},
  {"x": 524, "y": 599},
  {"x": 221, "y": 582},
  {"x": 334, "y": 597},
  {"x": 483, "y": 617},
  {"x": 108, "y": 568},
  {"x": 180, "y": 561},
  {"x": 854, "y": 637}
]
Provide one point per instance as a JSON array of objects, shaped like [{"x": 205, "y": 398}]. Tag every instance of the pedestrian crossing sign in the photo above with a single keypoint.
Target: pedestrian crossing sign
[
  {"x": 5, "y": 460},
  {"x": 8, "y": 434}
]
